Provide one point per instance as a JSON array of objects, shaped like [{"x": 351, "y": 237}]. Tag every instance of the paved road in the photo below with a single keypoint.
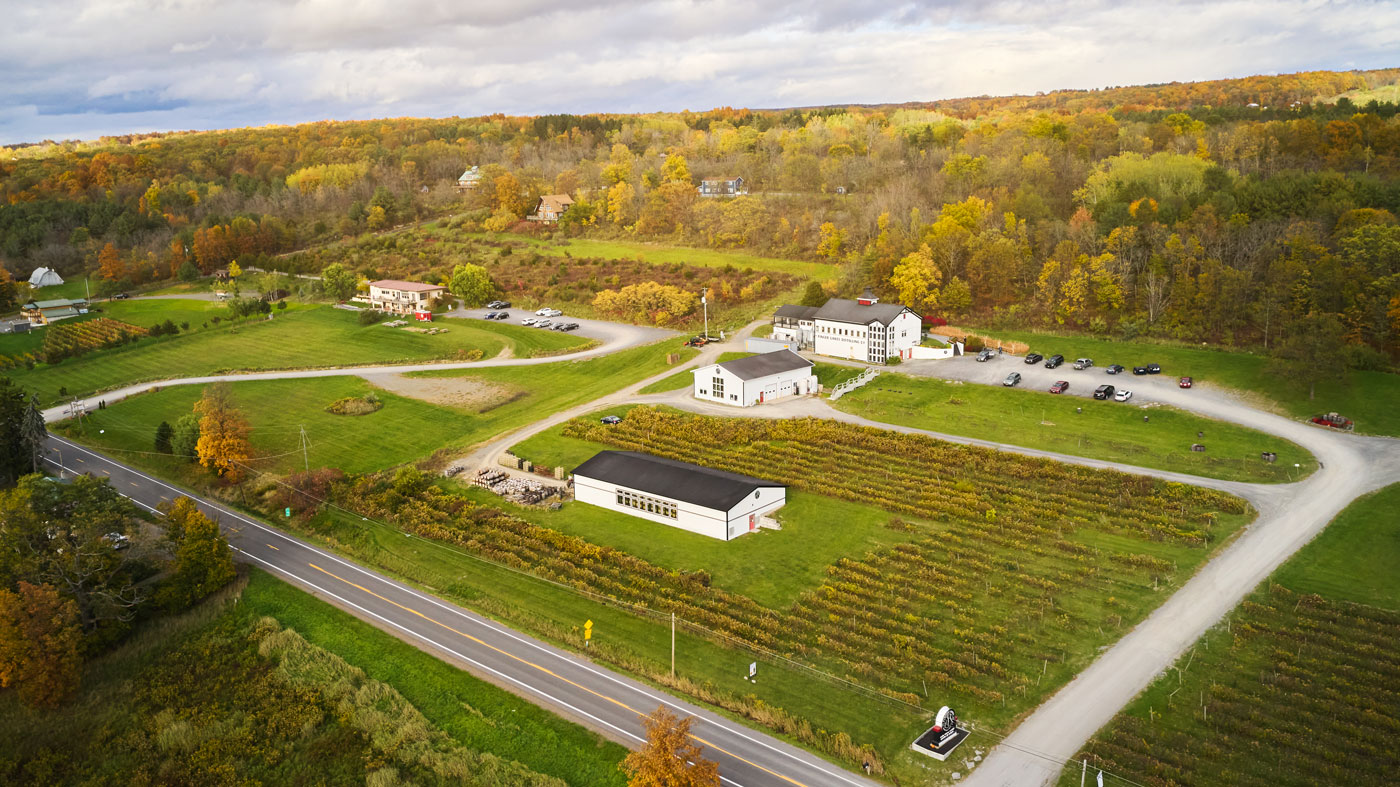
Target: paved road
[
  {"x": 555, "y": 679},
  {"x": 612, "y": 337}
]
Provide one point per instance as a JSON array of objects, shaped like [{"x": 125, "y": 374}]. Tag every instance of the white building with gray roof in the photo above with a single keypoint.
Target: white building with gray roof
[
  {"x": 756, "y": 379},
  {"x": 860, "y": 330}
]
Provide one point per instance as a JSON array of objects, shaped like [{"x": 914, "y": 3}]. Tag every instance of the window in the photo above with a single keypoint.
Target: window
[
  {"x": 717, "y": 385},
  {"x": 651, "y": 505}
]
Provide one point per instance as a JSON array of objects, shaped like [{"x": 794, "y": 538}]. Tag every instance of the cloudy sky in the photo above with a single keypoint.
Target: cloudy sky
[{"x": 82, "y": 68}]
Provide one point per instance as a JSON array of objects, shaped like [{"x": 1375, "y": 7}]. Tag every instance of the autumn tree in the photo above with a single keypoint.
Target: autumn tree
[
  {"x": 670, "y": 757},
  {"x": 647, "y": 302},
  {"x": 338, "y": 282},
  {"x": 203, "y": 560},
  {"x": 39, "y": 644},
  {"x": 472, "y": 284},
  {"x": 9, "y": 292},
  {"x": 110, "y": 264},
  {"x": 223, "y": 433},
  {"x": 917, "y": 279},
  {"x": 675, "y": 170}
]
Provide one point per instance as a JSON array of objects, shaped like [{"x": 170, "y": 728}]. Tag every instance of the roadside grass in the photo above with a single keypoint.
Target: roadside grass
[
  {"x": 1105, "y": 430},
  {"x": 1235, "y": 708},
  {"x": 199, "y": 314},
  {"x": 674, "y": 382},
  {"x": 1356, "y": 558},
  {"x": 148, "y": 688},
  {"x": 476, "y": 713},
  {"x": 311, "y": 337},
  {"x": 1368, "y": 398},
  {"x": 830, "y": 374},
  {"x": 184, "y": 287},
  {"x": 403, "y": 430},
  {"x": 661, "y": 253}
]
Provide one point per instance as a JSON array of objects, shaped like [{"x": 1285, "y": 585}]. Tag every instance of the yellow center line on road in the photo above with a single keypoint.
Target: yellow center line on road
[
  {"x": 133, "y": 483},
  {"x": 547, "y": 671},
  {"x": 275, "y": 549}
]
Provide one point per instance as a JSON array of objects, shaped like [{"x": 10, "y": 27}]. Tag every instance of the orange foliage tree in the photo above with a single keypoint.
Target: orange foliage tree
[
  {"x": 39, "y": 640},
  {"x": 223, "y": 433},
  {"x": 670, "y": 757}
]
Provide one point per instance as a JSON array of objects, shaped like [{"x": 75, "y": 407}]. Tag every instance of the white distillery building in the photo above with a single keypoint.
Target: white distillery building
[
  {"x": 756, "y": 379},
  {"x": 700, "y": 499},
  {"x": 860, "y": 330}
]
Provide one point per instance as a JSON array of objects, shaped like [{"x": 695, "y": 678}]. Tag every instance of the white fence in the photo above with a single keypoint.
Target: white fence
[{"x": 855, "y": 382}]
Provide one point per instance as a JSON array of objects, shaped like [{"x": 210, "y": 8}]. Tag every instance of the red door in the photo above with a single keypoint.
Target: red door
[{"x": 753, "y": 523}]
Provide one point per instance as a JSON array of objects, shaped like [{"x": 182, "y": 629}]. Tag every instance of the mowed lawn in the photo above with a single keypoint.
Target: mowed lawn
[
  {"x": 309, "y": 337},
  {"x": 660, "y": 253},
  {"x": 1368, "y": 398},
  {"x": 1112, "y": 431},
  {"x": 1357, "y": 558},
  {"x": 402, "y": 430}
]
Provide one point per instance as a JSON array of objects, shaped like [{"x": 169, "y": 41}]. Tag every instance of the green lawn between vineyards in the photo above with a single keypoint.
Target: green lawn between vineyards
[
  {"x": 1268, "y": 660},
  {"x": 316, "y": 336},
  {"x": 1369, "y": 399},
  {"x": 403, "y": 430},
  {"x": 1106, "y": 430},
  {"x": 85, "y": 734}
]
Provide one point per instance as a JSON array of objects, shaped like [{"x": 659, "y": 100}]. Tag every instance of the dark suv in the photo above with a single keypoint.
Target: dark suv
[
  {"x": 1103, "y": 392},
  {"x": 1034, "y": 358},
  {"x": 1054, "y": 361}
]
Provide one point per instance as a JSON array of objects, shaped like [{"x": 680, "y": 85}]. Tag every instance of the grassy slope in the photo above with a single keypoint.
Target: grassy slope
[
  {"x": 474, "y": 713},
  {"x": 1352, "y": 560},
  {"x": 1105, "y": 430},
  {"x": 664, "y": 253},
  {"x": 402, "y": 430},
  {"x": 296, "y": 338},
  {"x": 1368, "y": 399}
]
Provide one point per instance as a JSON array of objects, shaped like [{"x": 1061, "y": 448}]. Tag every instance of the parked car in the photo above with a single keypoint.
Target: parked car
[
  {"x": 502, "y": 315},
  {"x": 490, "y": 316},
  {"x": 1123, "y": 395},
  {"x": 1184, "y": 382},
  {"x": 985, "y": 355},
  {"x": 1103, "y": 392},
  {"x": 1139, "y": 370},
  {"x": 117, "y": 540},
  {"x": 611, "y": 419},
  {"x": 543, "y": 311},
  {"x": 1054, "y": 361},
  {"x": 1012, "y": 379},
  {"x": 529, "y": 321},
  {"x": 573, "y": 326},
  {"x": 545, "y": 323},
  {"x": 1114, "y": 368},
  {"x": 498, "y": 305},
  {"x": 1060, "y": 386},
  {"x": 1034, "y": 358},
  {"x": 1154, "y": 368},
  {"x": 121, "y": 296},
  {"x": 1083, "y": 363},
  {"x": 552, "y": 313}
]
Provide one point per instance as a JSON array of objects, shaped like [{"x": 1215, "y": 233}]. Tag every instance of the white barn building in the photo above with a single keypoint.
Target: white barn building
[
  {"x": 860, "y": 330},
  {"x": 703, "y": 500},
  {"x": 756, "y": 379}
]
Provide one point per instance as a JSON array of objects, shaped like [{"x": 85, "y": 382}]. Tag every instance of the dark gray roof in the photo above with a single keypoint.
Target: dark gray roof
[
  {"x": 842, "y": 310},
  {"x": 765, "y": 364},
  {"x": 797, "y": 312},
  {"x": 703, "y": 486}
]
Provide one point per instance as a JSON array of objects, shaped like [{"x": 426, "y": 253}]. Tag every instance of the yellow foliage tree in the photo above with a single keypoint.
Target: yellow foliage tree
[
  {"x": 670, "y": 757},
  {"x": 223, "y": 433},
  {"x": 647, "y": 301},
  {"x": 917, "y": 278},
  {"x": 831, "y": 240}
]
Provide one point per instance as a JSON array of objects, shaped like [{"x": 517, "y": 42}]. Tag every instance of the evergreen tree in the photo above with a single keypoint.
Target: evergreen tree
[{"x": 164, "y": 435}]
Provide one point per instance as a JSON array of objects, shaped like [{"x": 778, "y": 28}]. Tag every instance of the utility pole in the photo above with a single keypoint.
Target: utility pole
[
  {"x": 673, "y": 646},
  {"x": 705, "y": 303},
  {"x": 305, "y": 443}
]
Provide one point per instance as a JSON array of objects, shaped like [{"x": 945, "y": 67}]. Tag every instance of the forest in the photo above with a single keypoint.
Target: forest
[{"x": 1257, "y": 212}]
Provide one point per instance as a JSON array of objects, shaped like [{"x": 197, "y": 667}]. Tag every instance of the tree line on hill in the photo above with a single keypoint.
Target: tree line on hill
[{"x": 1239, "y": 212}]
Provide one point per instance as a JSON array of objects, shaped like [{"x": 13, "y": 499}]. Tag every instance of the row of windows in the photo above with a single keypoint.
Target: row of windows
[{"x": 651, "y": 505}]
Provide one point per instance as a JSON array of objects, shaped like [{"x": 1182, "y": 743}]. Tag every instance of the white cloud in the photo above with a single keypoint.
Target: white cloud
[{"x": 74, "y": 68}]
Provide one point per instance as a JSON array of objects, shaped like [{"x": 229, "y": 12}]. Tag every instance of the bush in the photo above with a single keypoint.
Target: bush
[
  {"x": 370, "y": 316},
  {"x": 974, "y": 344}
]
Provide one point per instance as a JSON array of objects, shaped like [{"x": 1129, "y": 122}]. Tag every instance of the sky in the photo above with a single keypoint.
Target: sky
[{"x": 79, "y": 69}]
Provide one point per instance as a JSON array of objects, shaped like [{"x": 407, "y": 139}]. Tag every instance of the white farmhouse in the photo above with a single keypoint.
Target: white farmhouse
[
  {"x": 402, "y": 297},
  {"x": 860, "y": 330},
  {"x": 758, "y": 378},
  {"x": 703, "y": 500}
]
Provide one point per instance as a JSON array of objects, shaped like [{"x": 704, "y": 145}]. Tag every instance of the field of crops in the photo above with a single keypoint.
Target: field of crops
[{"x": 1033, "y": 563}]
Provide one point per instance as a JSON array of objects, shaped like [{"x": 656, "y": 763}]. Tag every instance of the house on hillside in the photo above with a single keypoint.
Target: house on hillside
[
  {"x": 754, "y": 380},
  {"x": 44, "y": 277},
  {"x": 860, "y": 330},
  {"x": 402, "y": 297},
  {"x": 469, "y": 180},
  {"x": 703, "y": 500},
  {"x": 722, "y": 187},
  {"x": 41, "y": 313},
  {"x": 550, "y": 208}
]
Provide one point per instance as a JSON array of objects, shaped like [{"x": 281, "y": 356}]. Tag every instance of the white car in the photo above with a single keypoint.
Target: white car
[
  {"x": 554, "y": 313},
  {"x": 1122, "y": 395},
  {"x": 543, "y": 323},
  {"x": 544, "y": 312},
  {"x": 528, "y": 320}
]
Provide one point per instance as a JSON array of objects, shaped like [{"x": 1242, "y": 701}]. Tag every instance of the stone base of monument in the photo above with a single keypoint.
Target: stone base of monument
[{"x": 929, "y": 743}]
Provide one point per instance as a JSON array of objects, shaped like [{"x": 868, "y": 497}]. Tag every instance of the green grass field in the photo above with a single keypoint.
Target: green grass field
[
  {"x": 660, "y": 253},
  {"x": 1368, "y": 399},
  {"x": 403, "y": 430},
  {"x": 1240, "y": 706},
  {"x": 188, "y": 699},
  {"x": 317, "y": 336},
  {"x": 1104, "y": 430}
]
